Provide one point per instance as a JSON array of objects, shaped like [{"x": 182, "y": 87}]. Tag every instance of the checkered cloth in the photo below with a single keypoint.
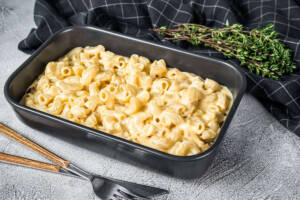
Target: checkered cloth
[{"x": 135, "y": 17}]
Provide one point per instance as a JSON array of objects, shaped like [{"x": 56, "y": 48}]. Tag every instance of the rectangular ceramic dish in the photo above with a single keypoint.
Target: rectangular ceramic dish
[{"x": 60, "y": 43}]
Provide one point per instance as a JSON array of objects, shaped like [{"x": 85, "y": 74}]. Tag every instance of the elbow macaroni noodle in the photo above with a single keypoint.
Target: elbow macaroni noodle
[{"x": 163, "y": 108}]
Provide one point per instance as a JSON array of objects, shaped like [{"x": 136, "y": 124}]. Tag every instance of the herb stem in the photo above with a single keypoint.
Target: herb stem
[{"x": 258, "y": 49}]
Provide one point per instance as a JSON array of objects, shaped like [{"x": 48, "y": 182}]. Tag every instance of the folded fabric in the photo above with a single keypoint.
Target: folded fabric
[{"x": 136, "y": 17}]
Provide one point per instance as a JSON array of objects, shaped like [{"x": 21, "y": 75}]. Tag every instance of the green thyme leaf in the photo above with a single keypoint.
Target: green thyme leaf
[{"x": 258, "y": 49}]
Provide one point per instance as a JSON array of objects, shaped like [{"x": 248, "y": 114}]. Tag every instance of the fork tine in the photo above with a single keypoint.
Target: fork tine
[
  {"x": 130, "y": 195},
  {"x": 140, "y": 198},
  {"x": 118, "y": 197}
]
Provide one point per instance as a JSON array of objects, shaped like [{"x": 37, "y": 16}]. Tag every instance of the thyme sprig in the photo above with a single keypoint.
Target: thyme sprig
[{"x": 258, "y": 49}]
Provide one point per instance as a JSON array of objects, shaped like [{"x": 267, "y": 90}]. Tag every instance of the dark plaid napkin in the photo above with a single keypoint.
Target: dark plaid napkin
[{"x": 135, "y": 17}]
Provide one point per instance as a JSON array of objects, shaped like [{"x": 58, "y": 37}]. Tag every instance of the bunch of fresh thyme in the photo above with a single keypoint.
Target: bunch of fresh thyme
[{"x": 258, "y": 49}]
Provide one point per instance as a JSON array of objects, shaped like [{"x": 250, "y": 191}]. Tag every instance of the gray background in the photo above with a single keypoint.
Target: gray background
[{"x": 259, "y": 158}]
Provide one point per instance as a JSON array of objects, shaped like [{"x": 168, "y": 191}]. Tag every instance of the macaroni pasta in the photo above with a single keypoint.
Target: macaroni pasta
[{"x": 131, "y": 97}]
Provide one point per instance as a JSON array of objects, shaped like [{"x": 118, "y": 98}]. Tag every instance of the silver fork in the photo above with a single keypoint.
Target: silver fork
[
  {"x": 104, "y": 187},
  {"x": 111, "y": 189}
]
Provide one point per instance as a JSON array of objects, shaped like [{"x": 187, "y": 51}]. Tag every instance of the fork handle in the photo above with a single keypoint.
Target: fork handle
[
  {"x": 35, "y": 147},
  {"x": 28, "y": 162}
]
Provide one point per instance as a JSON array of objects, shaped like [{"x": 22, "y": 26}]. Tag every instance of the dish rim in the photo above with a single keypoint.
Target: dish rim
[{"x": 108, "y": 136}]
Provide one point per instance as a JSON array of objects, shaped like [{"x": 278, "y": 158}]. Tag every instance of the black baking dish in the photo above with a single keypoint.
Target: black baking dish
[{"x": 60, "y": 43}]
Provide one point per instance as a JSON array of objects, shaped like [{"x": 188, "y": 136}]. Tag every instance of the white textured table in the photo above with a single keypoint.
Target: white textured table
[{"x": 259, "y": 158}]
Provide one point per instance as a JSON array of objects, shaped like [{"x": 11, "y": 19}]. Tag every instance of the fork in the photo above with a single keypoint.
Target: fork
[{"x": 104, "y": 187}]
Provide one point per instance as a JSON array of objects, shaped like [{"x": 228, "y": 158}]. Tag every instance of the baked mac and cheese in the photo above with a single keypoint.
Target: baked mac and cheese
[{"x": 133, "y": 98}]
